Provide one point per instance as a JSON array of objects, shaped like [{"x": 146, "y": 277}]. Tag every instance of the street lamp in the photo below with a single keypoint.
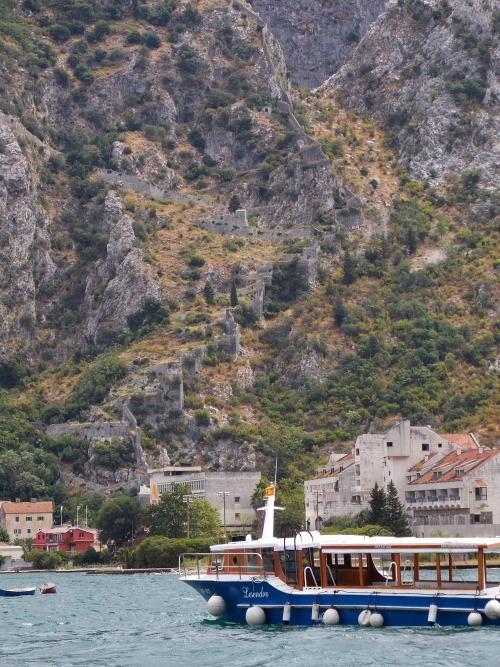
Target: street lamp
[
  {"x": 224, "y": 495},
  {"x": 187, "y": 500},
  {"x": 317, "y": 493}
]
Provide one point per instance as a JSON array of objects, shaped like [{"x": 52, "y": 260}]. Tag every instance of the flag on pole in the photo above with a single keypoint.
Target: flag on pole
[
  {"x": 269, "y": 491},
  {"x": 78, "y": 507}
]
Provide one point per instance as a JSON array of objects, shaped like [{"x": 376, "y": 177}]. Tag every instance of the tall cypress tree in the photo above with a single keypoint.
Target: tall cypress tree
[
  {"x": 208, "y": 293},
  {"x": 349, "y": 269},
  {"x": 396, "y": 520},
  {"x": 234, "y": 294},
  {"x": 378, "y": 506}
]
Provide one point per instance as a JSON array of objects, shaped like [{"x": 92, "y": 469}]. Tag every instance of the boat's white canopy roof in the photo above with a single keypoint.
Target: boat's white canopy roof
[{"x": 365, "y": 544}]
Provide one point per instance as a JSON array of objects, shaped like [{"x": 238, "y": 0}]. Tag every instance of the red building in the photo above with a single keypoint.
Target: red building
[{"x": 64, "y": 538}]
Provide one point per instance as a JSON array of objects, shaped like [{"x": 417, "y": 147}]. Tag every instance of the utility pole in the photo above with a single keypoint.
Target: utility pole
[
  {"x": 223, "y": 495},
  {"x": 187, "y": 500}
]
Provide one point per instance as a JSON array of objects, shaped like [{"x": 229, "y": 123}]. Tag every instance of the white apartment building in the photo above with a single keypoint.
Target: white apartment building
[
  {"x": 344, "y": 485},
  {"x": 455, "y": 494}
]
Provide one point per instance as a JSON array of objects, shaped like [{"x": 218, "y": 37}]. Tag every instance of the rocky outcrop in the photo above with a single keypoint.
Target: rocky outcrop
[
  {"x": 24, "y": 238},
  {"x": 431, "y": 75},
  {"x": 120, "y": 284},
  {"x": 317, "y": 36}
]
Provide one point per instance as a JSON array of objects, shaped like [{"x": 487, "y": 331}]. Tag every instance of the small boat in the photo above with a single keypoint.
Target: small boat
[
  {"x": 48, "y": 587},
  {"x": 313, "y": 579},
  {"x": 15, "y": 592}
]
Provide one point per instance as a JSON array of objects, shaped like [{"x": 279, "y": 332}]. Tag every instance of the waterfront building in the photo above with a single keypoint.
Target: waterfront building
[
  {"x": 72, "y": 539},
  {"x": 229, "y": 492},
  {"x": 23, "y": 520},
  {"x": 343, "y": 486},
  {"x": 12, "y": 557}
]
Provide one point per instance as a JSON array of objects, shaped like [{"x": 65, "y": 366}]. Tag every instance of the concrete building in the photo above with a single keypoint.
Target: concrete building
[
  {"x": 343, "y": 486},
  {"x": 455, "y": 494},
  {"x": 229, "y": 492},
  {"x": 13, "y": 557},
  {"x": 24, "y": 520},
  {"x": 72, "y": 539}
]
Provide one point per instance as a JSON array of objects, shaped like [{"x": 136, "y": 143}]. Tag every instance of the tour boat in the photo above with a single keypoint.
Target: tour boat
[
  {"x": 15, "y": 592},
  {"x": 312, "y": 579}
]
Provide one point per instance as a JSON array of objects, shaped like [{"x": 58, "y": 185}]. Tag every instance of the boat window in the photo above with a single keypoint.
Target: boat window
[
  {"x": 268, "y": 560},
  {"x": 251, "y": 563},
  {"x": 217, "y": 562},
  {"x": 288, "y": 561}
]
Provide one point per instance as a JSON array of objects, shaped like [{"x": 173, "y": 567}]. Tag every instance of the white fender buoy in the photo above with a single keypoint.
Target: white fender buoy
[
  {"x": 431, "y": 618},
  {"x": 287, "y": 611},
  {"x": 255, "y": 616},
  {"x": 492, "y": 609},
  {"x": 331, "y": 617},
  {"x": 315, "y": 612},
  {"x": 474, "y": 619},
  {"x": 364, "y": 618},
  {"x": 376, "y": 620},
  {"x": 216, "y": 605}
]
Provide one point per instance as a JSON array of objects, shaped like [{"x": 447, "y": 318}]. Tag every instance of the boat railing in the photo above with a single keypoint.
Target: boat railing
[
  {"x": 331, "y": 579},
  {"x": 410, "y": 581},
  {"x": 217, "y": 567},
  {"x": 389, "y": 571},
  {"x": 309, "y": 568}
]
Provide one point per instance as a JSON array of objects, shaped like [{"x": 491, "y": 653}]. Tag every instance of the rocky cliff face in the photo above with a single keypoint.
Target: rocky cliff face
[
  {"x": 24, "y": 236},
  {"x": 318, "y": 36},
  {"x": 430, "y": 72}
]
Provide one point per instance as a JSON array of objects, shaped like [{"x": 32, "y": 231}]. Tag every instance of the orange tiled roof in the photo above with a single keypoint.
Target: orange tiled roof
[
  {"x": 418, "y": 466},
  {"x": 44, "y": 506},
  {"x": 463, "y": 440},
  {"x": 454, "y": 461}
]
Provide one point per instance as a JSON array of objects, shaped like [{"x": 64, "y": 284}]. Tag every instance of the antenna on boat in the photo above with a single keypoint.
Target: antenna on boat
[{"x": 268, "y": 529}]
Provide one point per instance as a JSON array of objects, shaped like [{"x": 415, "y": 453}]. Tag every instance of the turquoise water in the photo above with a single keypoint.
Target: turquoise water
[{"x": 154, "y": 620}]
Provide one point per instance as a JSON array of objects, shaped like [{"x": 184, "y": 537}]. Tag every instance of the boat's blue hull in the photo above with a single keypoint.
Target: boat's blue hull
[
  {"x": 13, "y": 593},
  {"x": 403, "y": 610}
]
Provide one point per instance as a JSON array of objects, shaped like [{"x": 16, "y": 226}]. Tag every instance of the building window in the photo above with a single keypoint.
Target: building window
[
  {"x": 17, "y": 519},
  {"x": 29, "y": 518},
  {"x": 486, "y": 517},
  {"x": 236, "y": 515},
  {"x": 39, "y": 518},
  {"x": 389, "y": 444},
  {"x": 440, "y": 444},
  {"x": 475, "y": 518},
  {"x": 28, "y": 531},
  {"x": 357, "y": 451},
  {"x": 425, "y": 447},
  {"x": 17, "y": 531},
  {"x": 481, "y": 493},
  {"x": 236, "y": 499},
  {"x": 81, "y": 535}
]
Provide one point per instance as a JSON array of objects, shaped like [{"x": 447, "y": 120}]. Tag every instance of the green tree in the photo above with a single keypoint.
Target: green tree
[
  {"x": 4, "y": 535},
  {"x": 289, "y": 495},
  {"x": 349, "y": 269},
  {"x": 234, "y": 294},
  {"x": 120, "y": 521},
  {"x": 378, "y": 506},
  {"x": 396, "y": 520},
  {"x": 339, "y": 310},
  {"x": 234, "y": 203},
  {"x": 209, "y": 293},
  {"x": 204, "y": 520},
  {"x": 168, "y": 517}
]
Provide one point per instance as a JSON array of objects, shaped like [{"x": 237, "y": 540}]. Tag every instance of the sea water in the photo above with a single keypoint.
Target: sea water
[{"x": 147, "y": 620}]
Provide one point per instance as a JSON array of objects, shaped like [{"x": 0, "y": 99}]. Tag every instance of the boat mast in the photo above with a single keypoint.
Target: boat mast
[{"x": 269, "y": 508}]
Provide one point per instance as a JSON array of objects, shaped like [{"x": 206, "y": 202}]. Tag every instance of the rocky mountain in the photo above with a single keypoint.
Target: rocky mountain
[{"x": 202, "y": 261}]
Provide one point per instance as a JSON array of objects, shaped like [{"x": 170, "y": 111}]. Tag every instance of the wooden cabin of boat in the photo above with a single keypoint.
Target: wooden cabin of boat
[{"x": 324, "y": 561}]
